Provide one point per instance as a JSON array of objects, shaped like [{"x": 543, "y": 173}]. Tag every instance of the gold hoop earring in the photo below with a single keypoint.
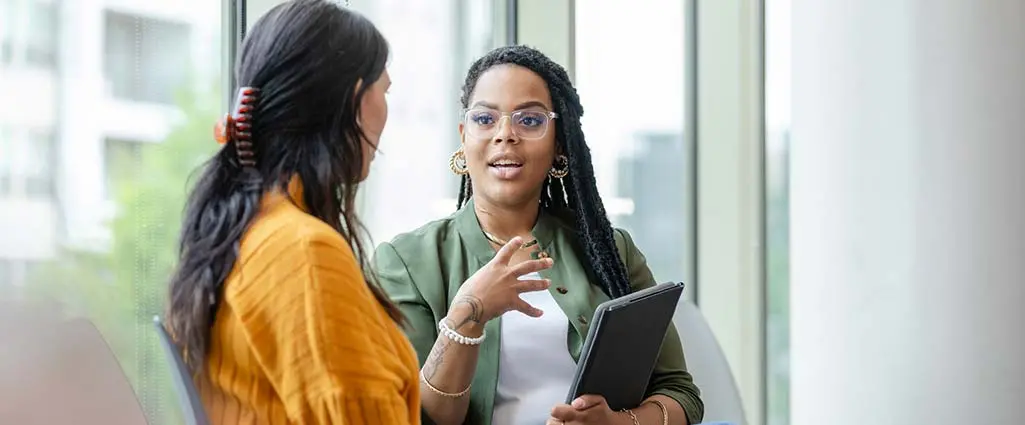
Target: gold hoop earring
[
  {"x": 457, "y": 163},
  {"x": 560, "y": 167}
]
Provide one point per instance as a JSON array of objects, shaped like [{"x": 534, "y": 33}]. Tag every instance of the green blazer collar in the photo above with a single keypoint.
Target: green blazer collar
[{"x": 470, "y": 231}]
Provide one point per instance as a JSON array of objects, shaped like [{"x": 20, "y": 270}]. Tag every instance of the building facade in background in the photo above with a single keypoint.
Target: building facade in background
[{"x": 84, "y": 83}]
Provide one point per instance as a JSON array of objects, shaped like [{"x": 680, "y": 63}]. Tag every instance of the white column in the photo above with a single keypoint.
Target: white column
[
  {"x": 908, "y": 212},
  {"x": 730, "y": 146},
  {"x": 83, "y": 89}
]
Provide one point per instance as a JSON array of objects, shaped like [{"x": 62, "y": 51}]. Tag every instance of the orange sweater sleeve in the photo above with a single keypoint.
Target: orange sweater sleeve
[{"x": 320, "y": 336}]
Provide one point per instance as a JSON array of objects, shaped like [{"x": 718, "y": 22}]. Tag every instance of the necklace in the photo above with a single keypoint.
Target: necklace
[{"x": 500, "y": 242}]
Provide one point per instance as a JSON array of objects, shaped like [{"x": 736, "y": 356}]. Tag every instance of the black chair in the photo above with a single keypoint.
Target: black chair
[{"x": 184, "y": 386}]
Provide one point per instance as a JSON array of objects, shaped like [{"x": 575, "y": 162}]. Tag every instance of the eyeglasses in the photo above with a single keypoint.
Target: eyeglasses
[{"x": 483, "y": 123}]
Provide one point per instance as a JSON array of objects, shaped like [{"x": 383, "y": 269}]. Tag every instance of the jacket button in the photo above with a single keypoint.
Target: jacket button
[
  {"x": 562, "y": 290},
  {"x": 582, "y": 319}
]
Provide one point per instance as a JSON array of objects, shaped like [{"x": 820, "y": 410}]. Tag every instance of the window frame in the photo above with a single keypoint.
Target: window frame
[{"x": 233, "y": 17}]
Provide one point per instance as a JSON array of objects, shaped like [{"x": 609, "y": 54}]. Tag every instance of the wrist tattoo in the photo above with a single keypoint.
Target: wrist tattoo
[
  {"x": 476, "y": 307},
  {"x": 436, "y": 358}
]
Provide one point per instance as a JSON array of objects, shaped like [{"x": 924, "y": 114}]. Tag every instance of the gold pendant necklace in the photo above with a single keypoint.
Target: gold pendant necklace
[{"x": 500, "y": 242}]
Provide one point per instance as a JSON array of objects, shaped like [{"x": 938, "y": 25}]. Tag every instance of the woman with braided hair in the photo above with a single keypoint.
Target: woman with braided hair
[
  {"x": 498, "y": 295},
  {"x": 269, "y": 303}
]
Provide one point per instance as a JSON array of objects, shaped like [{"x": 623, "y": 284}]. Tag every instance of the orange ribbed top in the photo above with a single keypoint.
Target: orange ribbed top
[{"x": 299, "y": 337}]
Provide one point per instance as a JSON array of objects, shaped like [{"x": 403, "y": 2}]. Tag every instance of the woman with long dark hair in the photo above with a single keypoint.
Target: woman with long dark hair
[
  {"x": 499, "y": 294},
  {"x": 270, "y": 302}
]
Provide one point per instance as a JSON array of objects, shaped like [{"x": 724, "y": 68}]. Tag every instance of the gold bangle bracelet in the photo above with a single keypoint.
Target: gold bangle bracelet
[
  {"x": 662, "y": 407},
  {"x": 440, "y": 392}
]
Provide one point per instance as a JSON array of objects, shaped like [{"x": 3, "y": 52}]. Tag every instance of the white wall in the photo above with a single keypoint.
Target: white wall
[
  {"x": 35, "y": 91},
  {"x": 26, "y": 225},
  {"x": 27, "y": 229},
  {"x": 908, "y": 212}
]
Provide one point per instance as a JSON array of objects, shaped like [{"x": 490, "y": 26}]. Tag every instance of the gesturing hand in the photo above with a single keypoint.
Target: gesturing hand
[
  {"x": 587, "y": 410},
  {"x": 496, "y": 288}
]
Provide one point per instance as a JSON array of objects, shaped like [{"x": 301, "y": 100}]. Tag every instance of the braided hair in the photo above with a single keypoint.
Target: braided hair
[{"x": 576, "y": 193}]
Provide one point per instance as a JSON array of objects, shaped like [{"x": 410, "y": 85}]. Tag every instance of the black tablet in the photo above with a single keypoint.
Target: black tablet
[{"x": 623, "y": 345}]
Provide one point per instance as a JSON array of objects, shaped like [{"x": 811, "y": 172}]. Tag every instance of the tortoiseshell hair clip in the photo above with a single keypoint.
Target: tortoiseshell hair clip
[{"x": 235, "y": 127}]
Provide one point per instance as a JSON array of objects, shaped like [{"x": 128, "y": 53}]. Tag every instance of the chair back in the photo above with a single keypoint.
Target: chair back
[
  {"x": 708, "y": 365},
  {"x": 184, "y": 386}
]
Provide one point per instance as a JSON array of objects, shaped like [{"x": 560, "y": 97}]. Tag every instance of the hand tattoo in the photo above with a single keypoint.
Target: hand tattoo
[{"x": 476, "y": 309}]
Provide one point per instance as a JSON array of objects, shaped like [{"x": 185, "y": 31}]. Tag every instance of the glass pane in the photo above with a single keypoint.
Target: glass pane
[
  {"x": 121, "y": 160},
  {"x": 777, "y": 210},
  {"x": 41, "y": 43},
  {"x": 6, "y": 153},
  {"x": 5, "y": 272},
  {"x": 433, "y": 43},
  {"x": 141, "y": 61},
  {"x": 642, "y": 159},
  {"x": 145, "y": 74},
  {"x": 38, "y": 167},
  {"x": 28, "y": 33}
]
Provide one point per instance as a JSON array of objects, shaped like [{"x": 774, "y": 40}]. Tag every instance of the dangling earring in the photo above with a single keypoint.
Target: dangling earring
[
  {"x": 560, "y": 167},
  {"x": 457, "y": 163}
]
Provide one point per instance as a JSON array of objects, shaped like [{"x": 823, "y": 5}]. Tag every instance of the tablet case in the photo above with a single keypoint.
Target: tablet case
[{"x": 623, "y": 345}]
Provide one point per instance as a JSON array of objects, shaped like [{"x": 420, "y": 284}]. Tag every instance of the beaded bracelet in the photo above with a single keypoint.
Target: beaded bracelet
[{"x": 457, "y": 337}]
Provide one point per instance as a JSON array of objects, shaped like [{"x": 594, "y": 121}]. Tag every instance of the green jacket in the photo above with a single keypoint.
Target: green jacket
[{"x": 422, "y": 270}]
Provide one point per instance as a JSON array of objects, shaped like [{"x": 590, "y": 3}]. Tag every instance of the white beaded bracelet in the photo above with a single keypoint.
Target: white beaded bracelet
[{"x": 455, "y": 336}]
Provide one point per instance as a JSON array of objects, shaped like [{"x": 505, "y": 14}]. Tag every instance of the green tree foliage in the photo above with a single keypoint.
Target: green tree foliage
[{"x": 121, "y": 288}]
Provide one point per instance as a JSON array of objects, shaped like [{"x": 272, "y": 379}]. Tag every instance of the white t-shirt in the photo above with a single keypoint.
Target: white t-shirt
[{"x": 535, "y": 369}]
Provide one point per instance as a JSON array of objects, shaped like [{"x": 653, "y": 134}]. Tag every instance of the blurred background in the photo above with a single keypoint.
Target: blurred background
[{"x": 107, "y": 108}]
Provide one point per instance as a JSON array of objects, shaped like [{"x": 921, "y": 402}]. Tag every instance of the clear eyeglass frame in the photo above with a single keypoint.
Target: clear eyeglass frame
[{"x": 477, "y": 132}]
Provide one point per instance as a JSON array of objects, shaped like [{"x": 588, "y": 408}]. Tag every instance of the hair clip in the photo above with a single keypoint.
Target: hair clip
[{"x": 235, "y": 127}]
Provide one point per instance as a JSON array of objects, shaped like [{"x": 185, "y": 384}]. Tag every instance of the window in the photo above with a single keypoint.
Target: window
[
  {"x": 6, "y": 162},
  {"x": 654, "y": 216},
  {"x": 28, "y": 32},
  {"x": 26, "y": 163},
  {"x": 39, "y": 169},
  {"x": 145, "y": 58},
  {"x": 108, "y": 252},
  {"x": 432, "y": 45},
  {"x": 637, "y": 134},
  {"x": 121, "y": 161},
  {"x": 777, "y": 211},
  {"x": 13, "y": 274},
  {"x": 6, "y": 278}
]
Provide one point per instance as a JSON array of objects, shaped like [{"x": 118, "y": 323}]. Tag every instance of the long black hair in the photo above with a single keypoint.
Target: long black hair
[
  {"x": 305, "y": 57},
  {"x": 577, "y": 192}
]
